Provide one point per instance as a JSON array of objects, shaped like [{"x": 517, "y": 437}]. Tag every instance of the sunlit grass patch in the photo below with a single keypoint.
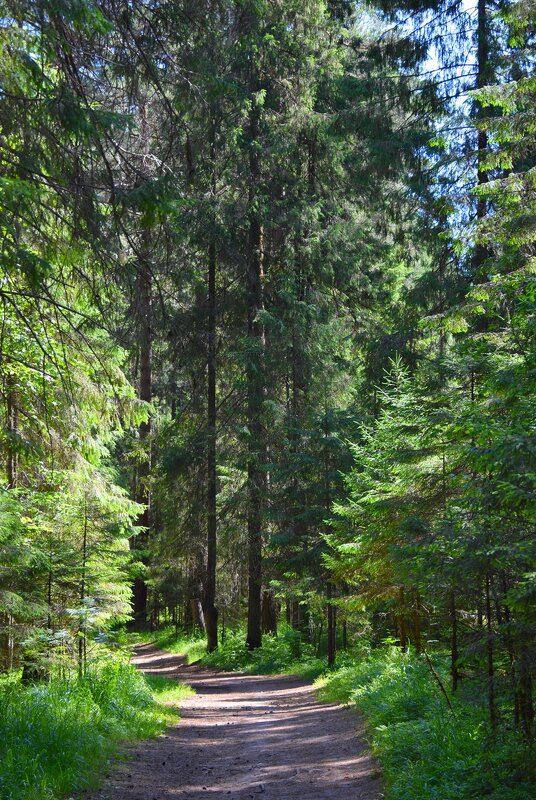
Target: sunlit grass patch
[
  {"x": 193, "y": 648},
  {"x": 56, "y": 738},
  {"x": 168, "y": 691}
]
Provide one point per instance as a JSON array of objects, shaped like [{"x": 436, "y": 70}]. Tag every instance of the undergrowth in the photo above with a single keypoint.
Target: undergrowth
[
  {"x": 285, "y": 653},
  {"x": 426, "y": 750},
  {"x": 56, "y": 737},
  {"x": 193, "y": 648}
]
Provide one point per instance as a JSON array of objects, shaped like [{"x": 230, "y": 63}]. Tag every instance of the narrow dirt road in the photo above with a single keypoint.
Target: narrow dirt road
[{"x": 246, "y": 736}]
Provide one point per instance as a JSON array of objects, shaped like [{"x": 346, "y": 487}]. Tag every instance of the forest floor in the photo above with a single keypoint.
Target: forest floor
[{"x": 243, "y": 736}]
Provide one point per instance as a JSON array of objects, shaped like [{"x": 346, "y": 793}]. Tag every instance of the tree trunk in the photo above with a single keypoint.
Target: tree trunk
[
  {"x": 417, "y": 622},
  {"x": 526, "y": 702},
  {"x": 82, "y": 627},
  {"x": 332, "y": 625},
  {"x": 145, "y": 394},
  {"x": 194, "y": 607},
  {"x": 209, "y": 598},
  {"x": 269, "y": 613},
  {"x": 198, "y": 618},
  {"x": 402, "y": 619},
  {"x": 484, "y": 77},
  {"x": 7, "y": 641},
  {"x": 295, "y": 613},
  {"x": 511, "y": 654},
  {"x": 12, "y": 428},
  {"x": 255, "y": 385},
  {"x": 453, "y": 641},
  {"x": 491, "y": 669}
]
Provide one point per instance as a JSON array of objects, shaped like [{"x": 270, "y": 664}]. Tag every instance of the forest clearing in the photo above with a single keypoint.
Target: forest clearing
[{"x": 267, "y": 399}]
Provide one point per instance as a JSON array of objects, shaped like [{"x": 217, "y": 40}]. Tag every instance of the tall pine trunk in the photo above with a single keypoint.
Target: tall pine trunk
[
  {"x": 209, "y": 598},
  {"x": 255, "y": 385},
  {"x": 145, "y": 393}
]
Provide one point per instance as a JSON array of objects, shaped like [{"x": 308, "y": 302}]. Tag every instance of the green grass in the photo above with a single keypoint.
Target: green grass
[
  {"x": 166, "y": 691},
  {"x": 193, "y": 648},
  {"x": 285, "y": 653},
  {"x": 56, "y": 737},
  {"x": 426, "y": 752}
]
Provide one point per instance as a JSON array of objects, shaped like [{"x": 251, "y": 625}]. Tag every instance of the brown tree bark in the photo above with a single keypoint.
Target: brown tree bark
[
  {"x": 142, "y": 493},
  {"x": 269, "y": 612},
  {"x": 209, "y": 598},
  {"x": 255, "y": 384}
]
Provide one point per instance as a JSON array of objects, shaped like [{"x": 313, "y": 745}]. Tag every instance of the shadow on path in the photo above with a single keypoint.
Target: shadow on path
[{"x": 246, "y": 736}]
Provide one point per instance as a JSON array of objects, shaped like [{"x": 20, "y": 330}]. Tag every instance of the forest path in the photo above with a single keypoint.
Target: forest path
[{"x": 246, "y": 736}]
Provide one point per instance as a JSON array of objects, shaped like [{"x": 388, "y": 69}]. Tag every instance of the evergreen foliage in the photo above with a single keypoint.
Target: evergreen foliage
[{"x": 267, "y": 332}]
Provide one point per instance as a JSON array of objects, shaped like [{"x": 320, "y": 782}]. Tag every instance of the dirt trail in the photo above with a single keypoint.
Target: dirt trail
[{"x": 246, "y": 736}]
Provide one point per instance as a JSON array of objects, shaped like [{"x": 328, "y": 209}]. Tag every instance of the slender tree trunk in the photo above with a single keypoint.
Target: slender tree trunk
[
  {"x": 269, "y": 612},
  {"x": 453, "y": 641},
  {"x": 82, "y": 629},
  {"x": 511, "y": 653},
  {"x": 12, "y": 413},
  {"x": 295, "y": 613},
  {"x": 526, "y": 701},
  {"x": 417, "y": 622},
  {"x": 145, "y": 336},
  {"x": 402, "y": 619},
  {"x": 332, "y": 625},
  {"x": 198, "y": 617},
  {"x": 491, "y": 668},
  {"x": 484, "y": 76},
  {"x": 145, "y": 394},
  {"x": 12, "y": 427},
  {"x": 209, "y": 598},
  {"x": 255, "y": 387},
  {"x": 209, "y": 594},
  {"x": 196, "y": 575}
]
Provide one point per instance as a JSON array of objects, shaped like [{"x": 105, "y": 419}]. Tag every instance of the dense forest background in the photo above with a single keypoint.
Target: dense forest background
[{"x": 267, "y": 347}]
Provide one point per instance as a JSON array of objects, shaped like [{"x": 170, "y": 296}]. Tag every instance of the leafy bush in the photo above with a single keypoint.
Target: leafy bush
[{"x": 54, "y": 736}]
